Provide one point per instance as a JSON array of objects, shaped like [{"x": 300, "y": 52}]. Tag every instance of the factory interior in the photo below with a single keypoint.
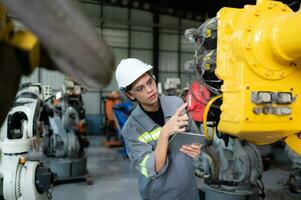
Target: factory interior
[{"x": 150, "y": 100}]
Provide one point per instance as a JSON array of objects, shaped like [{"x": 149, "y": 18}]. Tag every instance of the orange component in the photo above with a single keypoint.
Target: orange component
[
  {"x": 111, "y": 100},
  {"x": 82, "y": 126}
]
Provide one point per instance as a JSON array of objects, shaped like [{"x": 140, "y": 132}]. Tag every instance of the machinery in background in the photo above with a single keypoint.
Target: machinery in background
[
  {"x": 21, "y": 178},
  {"x": 21, "y": 52},
  {"x": 117, "y": 110},
  {"x": 171, "y": 86},
  {"x": 247, "y": 63},
  {"x": 110, "y": 124},
  {"x": 184, "y": 92},
  {"x": 64, "y": 137}
]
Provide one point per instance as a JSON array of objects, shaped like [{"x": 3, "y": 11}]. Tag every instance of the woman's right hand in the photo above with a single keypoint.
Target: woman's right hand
[{"x": 177, "y": 123}]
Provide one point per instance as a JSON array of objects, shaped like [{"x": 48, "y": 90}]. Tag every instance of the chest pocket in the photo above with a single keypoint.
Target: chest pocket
[{"x": 150, "y": 137}]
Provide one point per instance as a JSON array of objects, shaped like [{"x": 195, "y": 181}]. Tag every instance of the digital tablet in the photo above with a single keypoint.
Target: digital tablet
[{"x": 185, "y": 138}]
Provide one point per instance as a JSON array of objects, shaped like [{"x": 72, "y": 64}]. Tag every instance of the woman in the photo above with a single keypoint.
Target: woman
[{"x": 164, "y": 175}]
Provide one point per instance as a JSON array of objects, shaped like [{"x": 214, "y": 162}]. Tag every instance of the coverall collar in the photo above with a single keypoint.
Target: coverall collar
[{"x": 145, "y": 121}]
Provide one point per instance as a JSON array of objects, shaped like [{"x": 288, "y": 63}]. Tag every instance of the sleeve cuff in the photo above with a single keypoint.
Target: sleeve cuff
[{"x": 147, "y": 166}]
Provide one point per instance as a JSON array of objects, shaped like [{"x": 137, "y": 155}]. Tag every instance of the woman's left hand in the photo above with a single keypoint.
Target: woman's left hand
[{"x": 193, "y": 150}]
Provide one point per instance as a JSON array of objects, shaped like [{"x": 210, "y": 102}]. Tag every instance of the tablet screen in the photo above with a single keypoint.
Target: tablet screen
[{"x": 187, "y": 138}]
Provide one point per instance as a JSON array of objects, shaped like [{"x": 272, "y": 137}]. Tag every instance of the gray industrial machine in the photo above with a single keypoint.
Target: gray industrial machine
[
  {"x": 231, "y": 170},
  {"x": 64, "y": 135},
  {"x": 294, "y": 181}
]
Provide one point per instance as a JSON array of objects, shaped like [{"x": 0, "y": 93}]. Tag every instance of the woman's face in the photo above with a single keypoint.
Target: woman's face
[{"x": 144, "y": 90}]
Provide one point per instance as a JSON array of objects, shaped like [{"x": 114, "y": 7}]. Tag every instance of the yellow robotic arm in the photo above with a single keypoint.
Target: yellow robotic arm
[
  {"x": 259, "y": 61},
  {"x": 249, "y": 60}
]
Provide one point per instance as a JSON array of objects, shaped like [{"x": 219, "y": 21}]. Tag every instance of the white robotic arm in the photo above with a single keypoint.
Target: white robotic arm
[{"x": 22, "y": 179}]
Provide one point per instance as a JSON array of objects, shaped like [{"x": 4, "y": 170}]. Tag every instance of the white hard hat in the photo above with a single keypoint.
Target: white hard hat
[{"x": 129, "y": 70}]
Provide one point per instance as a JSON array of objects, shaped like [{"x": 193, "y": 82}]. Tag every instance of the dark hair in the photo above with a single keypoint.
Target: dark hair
[{"x": 128, "y": 88}]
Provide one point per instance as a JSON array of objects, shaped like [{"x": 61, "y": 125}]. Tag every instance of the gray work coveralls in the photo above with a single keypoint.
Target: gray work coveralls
[{"x": 176, "y": 180}]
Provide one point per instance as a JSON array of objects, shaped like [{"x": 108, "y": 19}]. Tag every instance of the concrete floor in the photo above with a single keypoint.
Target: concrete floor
[{"x": 114, "y": 177}]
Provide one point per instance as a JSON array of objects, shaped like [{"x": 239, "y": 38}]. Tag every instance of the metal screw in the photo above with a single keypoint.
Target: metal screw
[
  {"x": 266, "y": 110},
  {"x": 256, "y": 111}
]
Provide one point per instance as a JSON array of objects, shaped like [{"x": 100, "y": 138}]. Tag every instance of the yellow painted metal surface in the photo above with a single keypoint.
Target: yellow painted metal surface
[
  {"x": 259, "y": 49},
  {"x": 207, "y": 136},
  {"x": 294, "y": 142}
]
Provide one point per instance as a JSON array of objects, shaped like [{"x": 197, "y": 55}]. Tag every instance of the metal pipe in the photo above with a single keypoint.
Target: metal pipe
[{"x": 286, "y": 38}]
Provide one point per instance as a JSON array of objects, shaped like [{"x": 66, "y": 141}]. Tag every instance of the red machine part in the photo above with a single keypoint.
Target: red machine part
[{"x": 197, "y": 99}]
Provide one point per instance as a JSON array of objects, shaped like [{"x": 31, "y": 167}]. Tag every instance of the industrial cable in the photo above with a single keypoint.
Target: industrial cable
[
  {"x": 202, "y": 83},
  {"x": 201, "y": 102},
  {"x": 205, "y": 116}
]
